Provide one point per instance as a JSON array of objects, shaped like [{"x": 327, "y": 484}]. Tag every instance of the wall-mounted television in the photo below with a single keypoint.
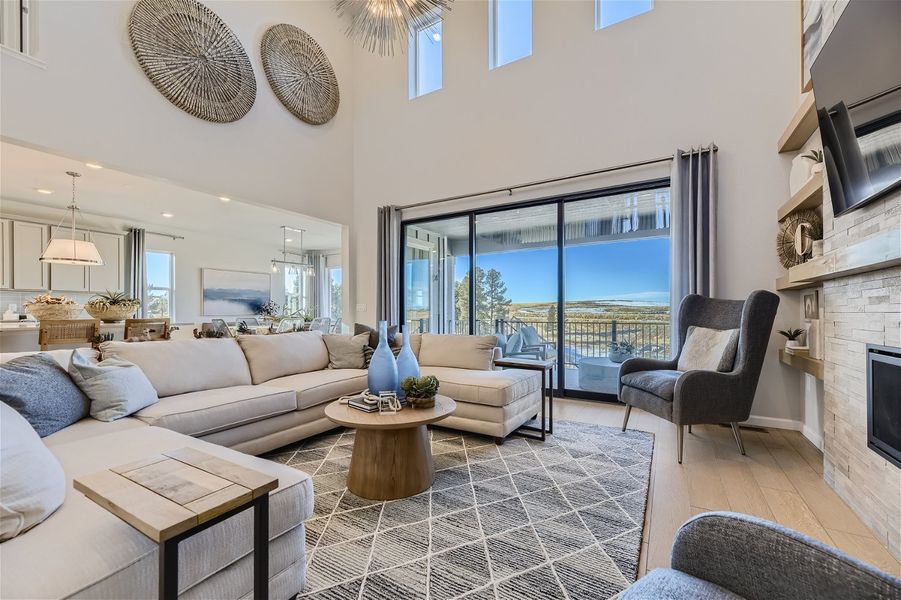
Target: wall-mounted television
[{"x": 857, "y": 85}]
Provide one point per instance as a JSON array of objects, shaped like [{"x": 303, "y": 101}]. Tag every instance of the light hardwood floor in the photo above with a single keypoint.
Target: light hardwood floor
[{"x": 780, "y": 479}]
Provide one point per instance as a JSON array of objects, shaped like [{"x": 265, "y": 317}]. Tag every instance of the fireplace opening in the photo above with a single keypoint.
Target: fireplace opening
[{"x": 884, "y": 402}]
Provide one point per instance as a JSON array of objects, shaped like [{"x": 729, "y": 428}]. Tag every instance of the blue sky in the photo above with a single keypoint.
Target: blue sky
[
  {"x": 614, "y": 11},
  {"x": 624, "y": 270},
  {"x": 514, "y": 30},
  {"x": 157, "y": 269}
]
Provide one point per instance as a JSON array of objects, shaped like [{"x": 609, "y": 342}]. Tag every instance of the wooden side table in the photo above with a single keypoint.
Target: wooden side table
[
  {"x": 392, "y": 457},
  {"x": 174, "y": 495},
  {"x": 547, "y": 368}
]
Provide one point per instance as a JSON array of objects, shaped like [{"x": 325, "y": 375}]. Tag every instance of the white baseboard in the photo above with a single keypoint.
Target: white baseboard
[
  {"x": 815, "y": 437},
  {"x": 773, "y": 422}
]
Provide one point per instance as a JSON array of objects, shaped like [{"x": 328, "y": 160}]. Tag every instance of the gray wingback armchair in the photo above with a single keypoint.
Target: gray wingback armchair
[
  {"x": 730, "y": 556},
  {"x": 696, "y": 397}
]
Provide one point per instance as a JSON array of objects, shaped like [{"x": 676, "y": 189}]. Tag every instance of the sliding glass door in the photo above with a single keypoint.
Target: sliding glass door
[{"x": 580, "y": 278}]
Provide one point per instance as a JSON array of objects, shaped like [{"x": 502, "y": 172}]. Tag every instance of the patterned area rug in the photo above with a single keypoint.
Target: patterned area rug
[{"x": 528, "y": 519}]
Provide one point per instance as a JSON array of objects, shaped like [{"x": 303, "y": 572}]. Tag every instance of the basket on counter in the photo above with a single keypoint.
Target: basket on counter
[
  {"x": 47, "y": 312},
  {"x": 112, "y": 313}
]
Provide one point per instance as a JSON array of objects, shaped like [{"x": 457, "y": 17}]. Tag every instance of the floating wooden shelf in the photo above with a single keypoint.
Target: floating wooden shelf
[
  {"x": 803, "y": 362},
  {"x": 783, "y": 284},
  {"x": 878, "y": 252},
  {"x": 801, "y": 127},
  {"x": 809, "y": 196}
]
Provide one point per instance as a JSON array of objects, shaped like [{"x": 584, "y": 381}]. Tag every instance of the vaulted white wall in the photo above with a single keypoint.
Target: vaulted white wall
[
  {"x": 684, "y": 74},
  {"x": 90, "y": 100}
]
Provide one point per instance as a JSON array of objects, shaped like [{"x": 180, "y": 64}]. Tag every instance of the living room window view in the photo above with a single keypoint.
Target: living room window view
[{"x": 616, "y": 315}]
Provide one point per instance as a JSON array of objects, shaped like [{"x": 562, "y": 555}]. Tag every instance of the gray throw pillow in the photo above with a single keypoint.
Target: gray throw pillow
[
  {"x": 374, "y": 334},
  {"x": 345, "y": 351},
  {"x": 116, "y": 387},
  {"x": 40, "y": 390}
]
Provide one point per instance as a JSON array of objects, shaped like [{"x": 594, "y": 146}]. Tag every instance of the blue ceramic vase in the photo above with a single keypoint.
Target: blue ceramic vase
[
  {"x": 382, "y": 375},
  {"x": 407, "y": 365}
]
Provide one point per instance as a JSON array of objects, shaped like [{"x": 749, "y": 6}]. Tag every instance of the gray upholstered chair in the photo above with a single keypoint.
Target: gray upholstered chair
[
  {"x": 696, "y": 397},
  {"x": 730, "y": 556}
]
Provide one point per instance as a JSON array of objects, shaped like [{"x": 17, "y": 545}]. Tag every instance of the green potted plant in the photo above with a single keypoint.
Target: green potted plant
[
  {"x": 619, "y": 351},
  {"x": 111, "y": 307},
  {"x": 816, "y": 157},
  {"x": 792, "y": 336},
  {"x": 420, "y": 391}
]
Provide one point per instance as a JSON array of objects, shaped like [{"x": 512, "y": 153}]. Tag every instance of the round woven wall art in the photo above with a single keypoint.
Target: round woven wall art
[
  {"x": 787, "y": 239},
  {"x": 300, "y": 74},
  {"x": 193, "y": 58}
]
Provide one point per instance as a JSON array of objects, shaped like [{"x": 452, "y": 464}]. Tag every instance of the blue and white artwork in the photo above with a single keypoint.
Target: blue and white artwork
[{"x": 234, "y": 293}]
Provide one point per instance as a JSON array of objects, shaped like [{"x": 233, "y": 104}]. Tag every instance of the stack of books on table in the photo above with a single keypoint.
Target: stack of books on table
[{"x": 358, "y": 403}]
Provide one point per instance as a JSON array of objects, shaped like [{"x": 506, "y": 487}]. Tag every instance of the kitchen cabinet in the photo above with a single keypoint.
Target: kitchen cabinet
[
  {"x": 69, "y": 278},
  {"x": 28, "y": 242},
  {"x": 6, "y": 251},
  {"x": 111, "y": 275}
]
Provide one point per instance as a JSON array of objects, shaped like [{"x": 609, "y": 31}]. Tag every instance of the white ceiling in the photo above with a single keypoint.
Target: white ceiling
[{"x": 108, "y": 196}]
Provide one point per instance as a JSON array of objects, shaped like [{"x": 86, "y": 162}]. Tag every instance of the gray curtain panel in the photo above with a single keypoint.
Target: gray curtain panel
[
  {"x": 692, "y": 228},
  {"x": 387, "y": 274},
  {"x": 136, "y": 274}
]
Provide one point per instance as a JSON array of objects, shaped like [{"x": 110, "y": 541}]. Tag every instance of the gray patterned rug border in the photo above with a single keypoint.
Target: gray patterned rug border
[{"x": 528, "y": 519}]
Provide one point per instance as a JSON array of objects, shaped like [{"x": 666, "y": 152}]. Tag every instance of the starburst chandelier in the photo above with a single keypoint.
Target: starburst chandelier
[{"x": 379, "y": 24}]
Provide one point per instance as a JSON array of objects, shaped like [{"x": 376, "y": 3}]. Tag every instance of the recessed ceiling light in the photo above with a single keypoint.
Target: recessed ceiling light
[
  {"x": 289, "y": 240},
  {"x": 43, "y": 191},
  {"x": 224, "y": 199},
  {"x": 93, "y": 166},
  {"x": 168, "y": 215}
]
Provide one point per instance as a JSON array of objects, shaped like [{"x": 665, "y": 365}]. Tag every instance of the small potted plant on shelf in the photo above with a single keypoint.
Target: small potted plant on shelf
[
  {"x": 619, "y": 351},
  {"x": 816, "y": 157},
  {"x": 111, "y": 307},
  {"x": 46, "y": 307},
  {"x": 792, "y": 336},
  {"x": 420, "y": 391}
]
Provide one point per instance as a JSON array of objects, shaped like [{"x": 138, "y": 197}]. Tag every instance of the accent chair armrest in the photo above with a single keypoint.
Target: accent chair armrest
[
  {"x": 637, "y": 364},
  {"x": 760, "y": 560}
]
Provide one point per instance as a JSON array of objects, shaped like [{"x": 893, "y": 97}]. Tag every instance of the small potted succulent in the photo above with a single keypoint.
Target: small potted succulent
[
  {"x": 816, "y": 157},
  {"x": 47, "y": 307},
  {"x": 792, "y": 336},
  {"x": 111, "y": 307},
  {"x": 619, "y": 351},
  {"x": 420, "y": 391}
]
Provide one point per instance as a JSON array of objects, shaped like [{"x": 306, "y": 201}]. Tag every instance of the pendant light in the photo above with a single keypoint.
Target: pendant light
[
  {"x": 293, "y": 267},
  {"x": 71, "y": 251}
]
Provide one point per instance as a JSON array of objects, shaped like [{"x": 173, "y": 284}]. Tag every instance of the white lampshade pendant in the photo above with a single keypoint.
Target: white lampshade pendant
[{"x": 71, "y": 251}]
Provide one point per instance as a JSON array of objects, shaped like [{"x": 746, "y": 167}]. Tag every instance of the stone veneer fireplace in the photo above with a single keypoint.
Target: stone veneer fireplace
[{"x": 860, "y": 310}]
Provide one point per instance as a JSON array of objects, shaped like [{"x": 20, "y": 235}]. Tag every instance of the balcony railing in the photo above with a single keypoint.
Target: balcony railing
[{"x": 581, "y": 338}]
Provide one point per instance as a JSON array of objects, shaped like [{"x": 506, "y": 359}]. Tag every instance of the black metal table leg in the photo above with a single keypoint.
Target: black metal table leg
[
  {"x": 168, "y": 572},
  {"x": 261, "y": 548},
  {"x": 550, "y": 403}
]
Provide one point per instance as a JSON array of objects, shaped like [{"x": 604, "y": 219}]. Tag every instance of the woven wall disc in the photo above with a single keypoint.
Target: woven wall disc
[
  {"x": 300, "y": 74},
  {"x": 788, "y": 231},
  {"x": 193, "y": 58}
]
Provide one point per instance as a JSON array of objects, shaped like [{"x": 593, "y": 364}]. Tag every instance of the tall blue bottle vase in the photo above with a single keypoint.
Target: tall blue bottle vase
[
  {"x": 407, "y": 365},
  {"x": 382, "y": 375}
]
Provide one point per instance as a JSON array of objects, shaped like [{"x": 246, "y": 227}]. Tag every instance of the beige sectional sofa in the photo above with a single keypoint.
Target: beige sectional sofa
[{"x": 234, "y": 399}]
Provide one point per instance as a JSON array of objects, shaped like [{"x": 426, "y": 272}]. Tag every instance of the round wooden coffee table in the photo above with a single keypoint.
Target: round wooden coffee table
[{"x": 392, "y": 457}]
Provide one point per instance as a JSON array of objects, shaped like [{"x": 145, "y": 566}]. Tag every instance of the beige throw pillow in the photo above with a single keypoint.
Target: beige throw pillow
[
  {"x": 458, "y": 351},
  {"x": 345, "y": 351},
  {"x": 34, "y": 484},
  {"x": 708, "y": 349}
]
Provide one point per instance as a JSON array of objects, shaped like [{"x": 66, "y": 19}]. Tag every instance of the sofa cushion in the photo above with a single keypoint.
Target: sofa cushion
[
  {"x": 117, "y": 388},
  {"x": 182, "y": 366},
  {"x": 491, "y": 388},
  {"x": 659, "y": 383},
  {"x": 708, "y": 349},
  {"x": 669, "y": 584},
  {"x": 103, "y": 548},
  {"x": 460, "y": 351},
  {"x": 91, "y": 427},
  {"x": 33, "y": 482},
  {"x": 39, "y": 389},
  {"x": 208, "y": 411},
  {"x": 271, "y": 356},
  {"x": 317, "y": 387}
]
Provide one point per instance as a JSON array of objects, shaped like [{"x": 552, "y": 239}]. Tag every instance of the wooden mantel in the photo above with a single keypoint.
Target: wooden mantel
[{"x": 878, "y": 252}]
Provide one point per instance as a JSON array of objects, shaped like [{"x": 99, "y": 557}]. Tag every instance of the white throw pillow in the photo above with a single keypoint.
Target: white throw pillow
[
  {"x": 116, "y": 387},
  {"x": 34, "y": 484},
  {"x": 708, "y": 349}
]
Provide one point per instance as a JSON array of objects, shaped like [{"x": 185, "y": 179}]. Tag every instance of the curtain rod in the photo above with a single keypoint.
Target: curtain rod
[
  {"x": 168, "y": 235},
  {"x": 509, "y": 189}
]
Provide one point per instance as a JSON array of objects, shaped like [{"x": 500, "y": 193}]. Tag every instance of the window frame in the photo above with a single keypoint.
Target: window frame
[
  {"x": 24, "y": 13},
  {"x": 170, "y": 289},
  {"x": 493, "y": 37},
  {"x": 413, "y": 65}
]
